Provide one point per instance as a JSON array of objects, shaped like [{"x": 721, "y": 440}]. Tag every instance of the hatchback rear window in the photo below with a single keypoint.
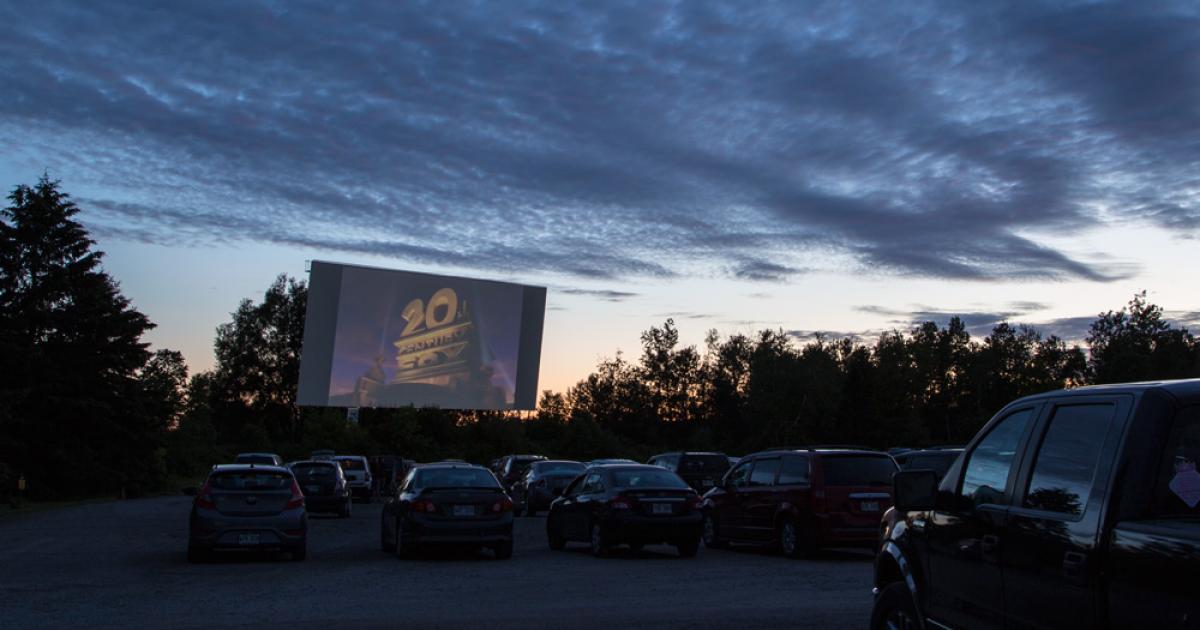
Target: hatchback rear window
[
  {"x": 455, "y": 478},
  {"x": 704, "y": 464},
  {"x": 858, "y": 470},
  {"x": 313, "y": 471},
  {"x": 251, "y": 481},
  {"x": 647, "y": 478}
]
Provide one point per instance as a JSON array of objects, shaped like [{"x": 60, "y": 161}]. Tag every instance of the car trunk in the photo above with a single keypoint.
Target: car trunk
[
  {"x": 463, "y": 503},
  {"x": 659, "y": 502}
]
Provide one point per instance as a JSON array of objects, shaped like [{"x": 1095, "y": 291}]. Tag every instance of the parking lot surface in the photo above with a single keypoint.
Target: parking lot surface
[{"x": 123, "y": 564}]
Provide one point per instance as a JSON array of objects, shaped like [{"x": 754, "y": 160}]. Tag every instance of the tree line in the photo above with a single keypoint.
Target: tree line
[{"x": 87, "y": 409}]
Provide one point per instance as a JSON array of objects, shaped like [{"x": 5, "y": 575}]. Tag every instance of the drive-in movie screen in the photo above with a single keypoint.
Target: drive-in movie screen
[{"x": 383, "y": 338}]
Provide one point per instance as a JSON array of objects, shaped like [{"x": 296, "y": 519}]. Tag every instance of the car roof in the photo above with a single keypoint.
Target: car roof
[
  {"x": 319, "y": 462},
  {"x": 819, "y": 451},
  {"x": 633, "y": 466},
  {"x": 242, "y": 467},
  {"x": 451, "y": 465},
  {"x": 716, "y": 453},
  {"x": 1183, "y": 390},
  {"x": 258, "y": 453},
  {"x": 558, "y": 461},
  {"x": 349, "y": 457}
]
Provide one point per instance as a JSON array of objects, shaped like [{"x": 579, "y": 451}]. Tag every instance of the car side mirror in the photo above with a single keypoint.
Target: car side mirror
[
  {"x": 190, "y": 491},
  {"x": 914, "y": 490}
]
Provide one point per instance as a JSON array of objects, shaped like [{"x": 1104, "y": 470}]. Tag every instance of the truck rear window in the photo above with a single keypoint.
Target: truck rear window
[
  {"x": 704, "y": 464},
  {"x": 858, "y": 470},
  {"x": 1177, "y": 492}
]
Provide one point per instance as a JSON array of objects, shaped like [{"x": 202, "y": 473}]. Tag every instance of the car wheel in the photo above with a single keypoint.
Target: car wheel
[
  {"x": 600, "y": 542},
  {"x": 712, "y": 538},
  {"x": 301, "y": 552},
  {"x": 789, "y": 538},
  {"x": 198, "y": 555},
  {"x": 403, "y": 549},
  {"x": 503, "y": 550},
  {"x": 554, "y": 535},
  {"x": 895, "y": 609},
  {"x": 688, "y": 548}
]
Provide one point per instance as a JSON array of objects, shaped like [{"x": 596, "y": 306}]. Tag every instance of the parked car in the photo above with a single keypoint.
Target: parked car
[
  {"x": 243, "y": 507},
  {"x": 938, "y": 460},
  {"x": 358, "y": 475},
  {"x": 801, "y": 500},
  {"x": 1071, "y": 509},
  {"x": 632, "y": 504},
  {"x": 324, "y": 486},
  {"x": 544, "y": 481},
  {"x": 701, "y": 471},
  {"x": 268, "y": 459},
  {"x": 458, "y": 504},
  {"x": 514, "y": 467}
]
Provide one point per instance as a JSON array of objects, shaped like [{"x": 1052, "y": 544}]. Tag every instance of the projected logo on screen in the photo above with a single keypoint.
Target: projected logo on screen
[{"x": 379, "y": 338}]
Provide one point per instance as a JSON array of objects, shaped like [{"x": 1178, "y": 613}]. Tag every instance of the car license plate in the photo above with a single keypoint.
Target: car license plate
[
  {"x": 313, "y": 489},
  {"x": 464, "y": 510},
  {"x": 662, "y": 508},
  {"x": 870, "y": 506},
  {"x": 247, "y": 539}
]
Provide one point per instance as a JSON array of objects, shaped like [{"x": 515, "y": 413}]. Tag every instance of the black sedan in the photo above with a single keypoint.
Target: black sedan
[
  {"x": 630, "y": 504},
  {"x": 543, "y": 482},
  {"x": 454, "y": 504}
]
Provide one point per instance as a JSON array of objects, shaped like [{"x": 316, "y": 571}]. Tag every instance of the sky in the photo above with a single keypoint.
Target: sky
[{"x": 842, "y": 168}]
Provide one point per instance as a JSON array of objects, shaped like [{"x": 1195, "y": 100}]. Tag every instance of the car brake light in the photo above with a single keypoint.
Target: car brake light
[
  {"x": 204, "y": 497},
  {"x": 694, "y": 501},
  {"x": 621, "y": 503},
  {"x": 422, "y": 506},
  {"x": 297, "y": 499},
  {"x": 503, "y": 505}
]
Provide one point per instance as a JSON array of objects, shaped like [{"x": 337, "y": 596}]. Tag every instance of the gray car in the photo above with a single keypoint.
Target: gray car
[{"x": 248, "y": 507}]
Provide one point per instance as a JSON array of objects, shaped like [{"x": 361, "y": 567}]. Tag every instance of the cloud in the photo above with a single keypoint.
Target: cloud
[
  {"x": 626, "y": 140},
  {"x": 604, "y": 294}
]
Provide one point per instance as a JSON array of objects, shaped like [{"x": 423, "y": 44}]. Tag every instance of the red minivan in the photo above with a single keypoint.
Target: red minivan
[{"x": 801, "y": 499}]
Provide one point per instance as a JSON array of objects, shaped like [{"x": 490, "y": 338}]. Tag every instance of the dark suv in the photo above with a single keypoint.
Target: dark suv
[
  {"x": 701, "y": 471},
  {"x": 801, "y": 500}
]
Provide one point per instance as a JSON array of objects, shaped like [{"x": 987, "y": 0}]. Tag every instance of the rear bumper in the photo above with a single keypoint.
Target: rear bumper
[
  {"x": 422, "y": 529},
  {"x": 835, "y": 532},
  {"x": 209, "y": 529},
  {"x": 651, "y": 529}
]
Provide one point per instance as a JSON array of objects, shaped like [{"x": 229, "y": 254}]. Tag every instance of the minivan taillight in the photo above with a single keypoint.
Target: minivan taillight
[
  {"x": 204, "y": 497},
  {"x": 503, "y": 505},
  {"x": 297, "y": 499}
]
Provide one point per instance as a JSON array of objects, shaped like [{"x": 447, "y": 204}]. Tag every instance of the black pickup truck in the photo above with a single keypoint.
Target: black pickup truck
[{"x": 1071, "y": 509}]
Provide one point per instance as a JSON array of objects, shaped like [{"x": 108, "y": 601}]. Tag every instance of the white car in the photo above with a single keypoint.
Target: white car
[{"x": 358, "y": 475}]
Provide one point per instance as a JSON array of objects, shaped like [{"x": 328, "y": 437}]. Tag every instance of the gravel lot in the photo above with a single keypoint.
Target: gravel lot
[{"x": 122, "y": 564}]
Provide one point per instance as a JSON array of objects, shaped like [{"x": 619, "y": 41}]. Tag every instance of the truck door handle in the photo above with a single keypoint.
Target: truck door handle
[
  {"x": 988, "y": 543},
  {"x": 1073, "y": 562}
]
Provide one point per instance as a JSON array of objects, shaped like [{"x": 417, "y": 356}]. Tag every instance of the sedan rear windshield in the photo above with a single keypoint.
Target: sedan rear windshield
[
  {"x": 314, "y": 471},
  {"x": 704, "y": 464},
  {"x": 352, "y": 464},
  {"x": 858, "y": 470},
  {"x": 251, "y": 480},
  {"x": 647, "y": 478},
  {"x": 455, "y": 478},
  {"x": 558, "y": 468}
]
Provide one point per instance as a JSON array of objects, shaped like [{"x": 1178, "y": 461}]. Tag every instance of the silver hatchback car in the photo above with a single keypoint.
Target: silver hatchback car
[{"x": 248, "y": 507}]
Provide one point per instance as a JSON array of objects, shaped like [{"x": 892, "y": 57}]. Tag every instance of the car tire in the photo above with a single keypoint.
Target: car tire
[
  {"x": 688, "y": 548},
  {"x": 554, "y": 536},
  {"x": 299, "y": 554},
  {"x": 601, "y": 546},
  {"x": 403, "y": 549},
  {"x": 198, "y": 555},
  {"x": 503, "y": 550},
  {"x": 793, "y": 540},
  {"x": 895, "y": 608},
  {"x": 711, "y": 535}
]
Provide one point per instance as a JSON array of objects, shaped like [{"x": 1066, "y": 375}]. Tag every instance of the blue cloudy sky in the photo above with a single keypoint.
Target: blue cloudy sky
[{"x": 839, "y": 167}]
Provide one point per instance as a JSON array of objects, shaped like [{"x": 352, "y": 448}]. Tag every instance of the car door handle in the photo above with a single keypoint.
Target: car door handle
[{"x": 1074, "y": 562}]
